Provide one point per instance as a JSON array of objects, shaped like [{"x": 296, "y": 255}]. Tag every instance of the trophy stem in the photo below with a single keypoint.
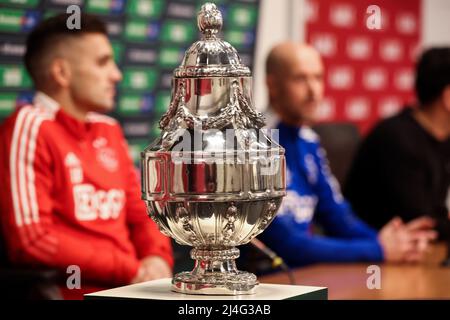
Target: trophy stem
[{"x": 215, "y": 273}]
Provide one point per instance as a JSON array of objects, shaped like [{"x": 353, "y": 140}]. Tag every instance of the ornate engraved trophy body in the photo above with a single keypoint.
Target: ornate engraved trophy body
[{"x": 213, "y": 179}]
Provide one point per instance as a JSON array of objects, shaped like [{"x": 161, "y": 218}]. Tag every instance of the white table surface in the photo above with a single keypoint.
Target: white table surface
[{"x": 160, "y": 290}]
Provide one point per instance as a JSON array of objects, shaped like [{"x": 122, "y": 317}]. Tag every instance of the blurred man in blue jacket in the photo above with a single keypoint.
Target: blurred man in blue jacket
[{"x": 294, "y": 76}]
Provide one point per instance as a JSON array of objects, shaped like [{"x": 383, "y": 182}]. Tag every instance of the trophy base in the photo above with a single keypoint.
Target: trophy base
[
  {"x": 215, "y": 284},
  {"x": 215, "y": 273}
]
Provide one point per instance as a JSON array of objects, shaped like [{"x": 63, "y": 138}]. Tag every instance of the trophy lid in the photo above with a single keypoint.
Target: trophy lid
[{"x": 211, "y": 56}]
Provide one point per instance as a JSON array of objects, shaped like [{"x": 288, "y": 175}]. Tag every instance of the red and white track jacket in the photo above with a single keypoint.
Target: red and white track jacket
[{"x": 70, "y": 195}]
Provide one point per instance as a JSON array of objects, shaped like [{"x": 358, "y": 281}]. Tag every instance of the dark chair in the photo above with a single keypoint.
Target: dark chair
[
  {"x": 340, "y": 141},
  {"x": 27, "y": 283},
  {"x": 253, "y": 260},
  {"x": 182, "y": 257}
]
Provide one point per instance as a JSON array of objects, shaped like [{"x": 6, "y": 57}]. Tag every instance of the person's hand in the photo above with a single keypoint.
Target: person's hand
[
  {"x": 406, "y": 242},
  {"x": 422, "y": 230},
  {"x": 151, "y": 268}
]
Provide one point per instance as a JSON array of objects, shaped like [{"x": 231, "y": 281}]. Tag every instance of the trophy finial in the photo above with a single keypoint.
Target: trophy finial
[{"x": 209, "y": 20}]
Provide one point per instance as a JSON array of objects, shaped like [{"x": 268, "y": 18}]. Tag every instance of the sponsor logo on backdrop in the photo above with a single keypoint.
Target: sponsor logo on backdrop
[
  {"x": 181, "y": 10},
  {"x": 326, "y": 109},
  {"x": 342, "y": 15},
  {"x": 178, "y": 31},
  {"x": 145, "y": 8},
  {"x": 359, "y": 48},
  {"x": 170, "y": 57},
  {"x": 12, "y": 49},
  {"x": 240, "y": 38},
  {"x": 166, "y": 80},
  {"x": 22, "y": 3},
  {"x": 391, "y": 50},
  {"x": 141, "y": 55},
  {"x": 65, "y": 2},
  {"x": 130, "y": 104},
  {"x": 138, "y": 78},
  {"x": 357, "y": 108},
  {"x": 375, "y": 78},
  {"x": 406, "y": 23},
  {"x": 403, "y": 79},
  {"x": 311, "y": 11},
  {"x": 105, "y": 6},
  {"x": 340, "y": 77},
  {"x": 139, "y": 129},
  {"x": 242, "y": 16},
  {"x": 18, "y": 20},
  {"x": 114, "y": 28},
  {"x": 325, "y": 43},
  {"x": 142, "y": 30},
  {"x": 389, "y": 106},
  {"x": 14, "y": 76}
]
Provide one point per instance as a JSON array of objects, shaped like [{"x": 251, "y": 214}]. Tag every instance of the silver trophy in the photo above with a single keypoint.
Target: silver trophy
[{"x": 214, "y": 179}]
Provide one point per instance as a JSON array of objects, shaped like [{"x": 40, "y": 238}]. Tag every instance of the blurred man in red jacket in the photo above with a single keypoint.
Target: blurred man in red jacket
[{"x": 70, "y": 194}]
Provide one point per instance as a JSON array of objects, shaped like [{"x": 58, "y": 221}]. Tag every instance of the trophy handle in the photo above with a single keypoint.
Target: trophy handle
[
  {"x": 178, "y": 99},
  {"x": 237, "y": 111}
]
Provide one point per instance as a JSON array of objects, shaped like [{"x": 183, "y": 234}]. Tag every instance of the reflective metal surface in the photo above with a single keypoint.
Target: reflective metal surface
[{"x": 213, "y": 179}]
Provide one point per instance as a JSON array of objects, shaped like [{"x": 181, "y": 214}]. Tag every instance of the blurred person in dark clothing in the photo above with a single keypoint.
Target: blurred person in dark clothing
[{"x": 403, "y": 166}]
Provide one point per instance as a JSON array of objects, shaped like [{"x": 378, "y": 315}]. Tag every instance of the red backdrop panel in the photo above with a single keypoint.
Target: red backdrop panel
[{"x": 369, "y": 73}]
